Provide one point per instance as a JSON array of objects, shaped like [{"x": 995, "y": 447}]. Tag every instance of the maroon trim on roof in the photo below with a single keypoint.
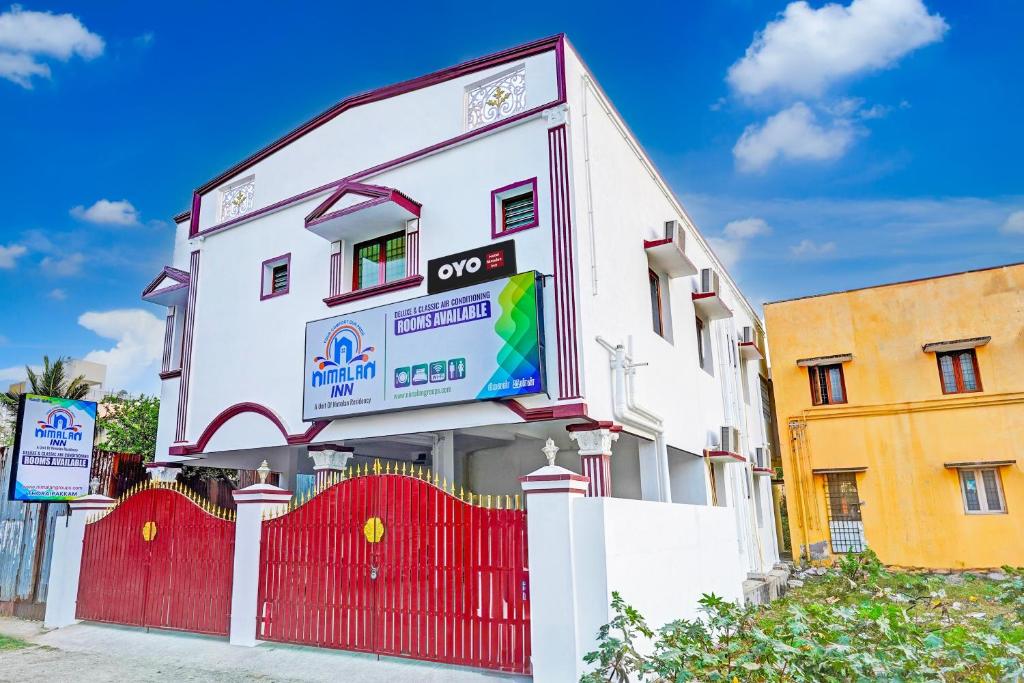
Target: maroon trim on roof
[
  {"x": 170, "y": 374},
  {"x": 247, "y": 407},
  {"x": 375, "y": 194},
  {"x": 593, "y": 426},
  {"x": 497, "y": 59},
  {"x": 570, "y": 476},
  {"x": 563, "y": 411},
  {"x": 179, "y": 276}
]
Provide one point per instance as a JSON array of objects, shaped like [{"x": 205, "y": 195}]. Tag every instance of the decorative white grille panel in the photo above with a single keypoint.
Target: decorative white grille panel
[
  {"x": 237, "y": 199},
  {"x": 497, "y": 98}
]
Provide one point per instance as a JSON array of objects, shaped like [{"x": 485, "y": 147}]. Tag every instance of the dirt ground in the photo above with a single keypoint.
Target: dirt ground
[{"x": 100, "y": 653}]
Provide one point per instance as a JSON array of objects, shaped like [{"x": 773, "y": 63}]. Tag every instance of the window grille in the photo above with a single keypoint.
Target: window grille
[
  {"x": 517, "y": 212},
  {"x": 842, "y": 503},
  {"x": 280, "y": 278},
  {"x": 378, "y": 261}
]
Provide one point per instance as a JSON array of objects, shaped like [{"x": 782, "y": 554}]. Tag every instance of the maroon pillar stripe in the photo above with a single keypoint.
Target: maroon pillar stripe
[
  {"x": 564, "y": 280},
  {"x": 337, "y": 264},
  {"x": 186, "y": 349},
  {"x": 165, "y": 364}
]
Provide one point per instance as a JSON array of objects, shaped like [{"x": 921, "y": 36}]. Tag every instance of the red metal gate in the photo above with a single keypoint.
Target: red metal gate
[
  {"x": 163, "y": 558},
  {"x": 393, "y": 564}
]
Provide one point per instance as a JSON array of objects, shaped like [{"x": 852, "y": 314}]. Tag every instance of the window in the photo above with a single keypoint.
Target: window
[
  {"x": 958, "y": 371},
  {"x": 237, "y": 198},
  {"x": 654, "y": 283},
  {"x": 982, "y": 491},
  {"x": 700, "y": 342},
  {"x": 275, "y": 278},
  {"x": 827, "y": 384},
  {"x": 846, "y": 527},
  {"x": 514, "y": 208},
  {"x": 378, "y": 261}
]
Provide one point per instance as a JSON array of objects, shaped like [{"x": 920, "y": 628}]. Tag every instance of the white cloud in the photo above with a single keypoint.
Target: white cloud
[
  {"x": 1014, "y": 224},
  {"x": 132, "y": 363},
  {"x": 792, "y": 134},
  {"x": 15, "y": 373},
  {"x": 63, "y": 266},
  {"x": 747, "y": 228},
  {"x": 9, "y": 255},
  {"x": 809, "y": 249},
  {"x": 106, "y": 212},
  {"x": 806, "y": 50},
  {"x": 730, "y": 246},
  {"x": 58, "y": 294},
  {"x": 27, "y": 37}
]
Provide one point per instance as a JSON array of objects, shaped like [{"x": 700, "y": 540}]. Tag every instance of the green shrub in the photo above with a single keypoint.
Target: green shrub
[{"x": 861, "y": 623}]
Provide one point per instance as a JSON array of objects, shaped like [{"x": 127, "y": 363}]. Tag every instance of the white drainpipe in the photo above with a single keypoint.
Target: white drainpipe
[{"x": 627, "y": 411}]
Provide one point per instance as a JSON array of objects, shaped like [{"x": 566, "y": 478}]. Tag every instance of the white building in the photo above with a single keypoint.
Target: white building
[{"x": 641, "y": 328}]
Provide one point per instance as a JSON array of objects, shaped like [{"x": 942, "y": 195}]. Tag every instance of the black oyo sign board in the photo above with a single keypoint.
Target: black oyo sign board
[{"x": 471, "y": 267}]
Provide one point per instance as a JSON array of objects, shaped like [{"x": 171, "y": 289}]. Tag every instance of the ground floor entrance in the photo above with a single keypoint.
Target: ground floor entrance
[
  {"x": 161, "y": 558},
  {"x": 392, "y": 562}
]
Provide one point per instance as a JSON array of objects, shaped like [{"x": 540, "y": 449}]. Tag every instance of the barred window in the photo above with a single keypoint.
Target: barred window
[
  {"x": 517, "y": 212},
  {"x": 827, "y": 384},
  {"x": 982, "y": 491}
]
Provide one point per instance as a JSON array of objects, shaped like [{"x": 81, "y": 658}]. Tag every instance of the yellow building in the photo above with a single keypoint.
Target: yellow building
[{"x": 901, "y": 419}]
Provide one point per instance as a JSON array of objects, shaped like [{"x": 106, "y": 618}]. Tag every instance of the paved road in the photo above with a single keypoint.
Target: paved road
[{"x": 100, "y": 653}]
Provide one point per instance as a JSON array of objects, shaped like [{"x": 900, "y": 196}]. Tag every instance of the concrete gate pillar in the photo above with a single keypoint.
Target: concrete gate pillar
[
  {"x": 329, "y": 460},
  {"x": 550, "y": 492},
  {"x": 595, "y": 447},
  {"x": 442, "y": 455},
  {"x": 66, "y": 560},
  {"x": 253, "y": 503}
]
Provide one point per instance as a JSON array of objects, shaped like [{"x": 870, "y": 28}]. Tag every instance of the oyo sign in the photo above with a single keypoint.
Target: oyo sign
[{"x": 471, "y": 267}]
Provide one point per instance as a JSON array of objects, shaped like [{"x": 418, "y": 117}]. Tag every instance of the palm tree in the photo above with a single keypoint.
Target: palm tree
[{"x": 52, "y": 381}]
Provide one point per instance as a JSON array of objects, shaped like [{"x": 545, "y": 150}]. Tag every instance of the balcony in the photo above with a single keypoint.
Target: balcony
[
  {"x": 751, "y": 344},
  {"x": 707, "y": 301},
  {"x": 668, "y": 254}
]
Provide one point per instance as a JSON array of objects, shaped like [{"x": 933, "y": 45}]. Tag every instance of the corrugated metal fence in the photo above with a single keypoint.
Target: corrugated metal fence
[{"x": 26, "y": 544}]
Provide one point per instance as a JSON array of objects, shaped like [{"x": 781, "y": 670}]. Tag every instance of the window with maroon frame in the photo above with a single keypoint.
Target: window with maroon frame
[
  {"x": 958, "y": 371},
  {"x": 827, "y": 384},
  {"x": 378, "y": 261}
]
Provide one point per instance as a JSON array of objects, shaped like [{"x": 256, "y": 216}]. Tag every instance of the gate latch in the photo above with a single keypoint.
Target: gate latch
[{"x": 373, "y": 572}]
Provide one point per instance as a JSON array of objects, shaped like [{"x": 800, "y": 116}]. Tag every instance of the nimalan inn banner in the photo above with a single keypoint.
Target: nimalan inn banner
[
  {"x": 476, "y": 343},
  {"x": 52, "y": 449}
]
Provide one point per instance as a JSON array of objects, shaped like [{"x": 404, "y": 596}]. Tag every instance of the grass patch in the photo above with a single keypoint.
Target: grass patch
[
  {"x": 9, "y": 643},
  {"x": 858, "y": 622}
]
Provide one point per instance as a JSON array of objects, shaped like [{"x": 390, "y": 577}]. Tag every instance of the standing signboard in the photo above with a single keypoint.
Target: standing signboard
[
  {"x": 476, "y": 343},
  {"x": 53, "y": 445}
]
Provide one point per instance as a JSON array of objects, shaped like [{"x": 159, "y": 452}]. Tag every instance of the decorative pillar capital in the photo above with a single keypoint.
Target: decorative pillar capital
[
  {"x": 557, "y": 115},
  {"x": 330, "y": 456},
  {"x": 595, "y": 441},
  {"x": 595, "y": 438}
]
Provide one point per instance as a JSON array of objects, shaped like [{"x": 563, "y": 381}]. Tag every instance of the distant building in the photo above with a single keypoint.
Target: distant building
[
  {"x": 901, "y": 409},
  {"x": 95, "y": 374}
]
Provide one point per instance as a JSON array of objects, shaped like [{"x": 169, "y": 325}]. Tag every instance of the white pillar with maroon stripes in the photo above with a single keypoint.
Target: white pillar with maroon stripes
[
  {"x": 550, "y": 494},
  {"x": 253, "y": 503},
  {"x": 329, "y": 459},
  {"x": 595, "y": 448}
]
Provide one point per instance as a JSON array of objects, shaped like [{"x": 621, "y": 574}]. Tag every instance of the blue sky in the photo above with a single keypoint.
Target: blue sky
[{"x": 820, "y": 147}]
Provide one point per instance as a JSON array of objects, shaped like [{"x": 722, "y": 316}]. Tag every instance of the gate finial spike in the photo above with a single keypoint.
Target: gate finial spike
[
  {"x": 508, "y": 502},
  {"x": 517, "y": 502},
  {"x": 488, "y": 501},
  {"x": 376, "y": 465},
  {"x": 462, "y": 492}
]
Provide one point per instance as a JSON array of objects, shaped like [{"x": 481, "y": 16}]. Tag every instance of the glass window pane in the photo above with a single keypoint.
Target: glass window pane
[
  {"x": 655, "y": 302},
  {"x": 948, "y": 377},
  {"x": 988, "y": 477},
  {"x": 394, "y": 259},
  {"x": 967, "y": 371},
  {"x": 367, "y": 260},
  {"x": 970, "y": 485},
  {"x": 836, "y": 383}
]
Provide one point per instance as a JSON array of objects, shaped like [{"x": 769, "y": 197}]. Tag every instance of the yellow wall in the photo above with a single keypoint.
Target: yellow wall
[{"x": 898, "y": 423}]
